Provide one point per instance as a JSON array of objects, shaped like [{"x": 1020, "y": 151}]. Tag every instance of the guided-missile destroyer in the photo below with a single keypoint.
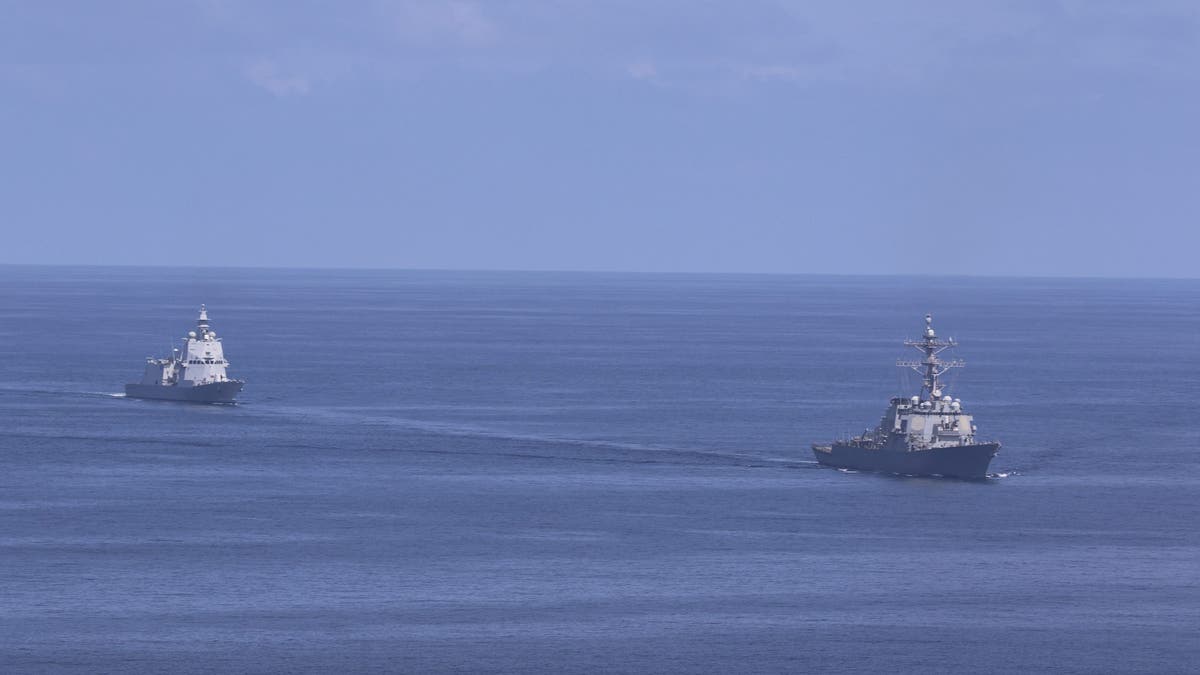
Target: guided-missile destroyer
[
  {"x": 925, "y": 435},
  {"x": 195, "y": 374}
]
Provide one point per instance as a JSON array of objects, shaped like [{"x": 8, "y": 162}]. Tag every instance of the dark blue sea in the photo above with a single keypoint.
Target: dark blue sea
[{"x": 561, "y": 473}]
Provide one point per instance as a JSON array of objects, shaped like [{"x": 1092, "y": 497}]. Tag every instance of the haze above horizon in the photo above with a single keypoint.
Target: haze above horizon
[{"x": 1006, "y": 139}]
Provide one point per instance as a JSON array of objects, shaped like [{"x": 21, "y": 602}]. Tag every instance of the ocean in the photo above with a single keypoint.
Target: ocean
[{"x": 570, "y": 472}]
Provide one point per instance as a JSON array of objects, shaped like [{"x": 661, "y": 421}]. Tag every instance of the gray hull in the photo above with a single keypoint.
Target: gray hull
[
  {"x": 960, "y": 461},
  {"x": 216, "y": 392}
]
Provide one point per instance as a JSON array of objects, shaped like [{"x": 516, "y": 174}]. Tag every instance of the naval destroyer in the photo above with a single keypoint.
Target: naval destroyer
[
  {"x": 196, "y": 374},
  {"x": 926, "y": 435}
]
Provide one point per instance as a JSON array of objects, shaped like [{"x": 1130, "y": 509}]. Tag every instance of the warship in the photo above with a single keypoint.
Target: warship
[
  {"x": 926, "y": 435},
  {"x": 195, "y": 374}
]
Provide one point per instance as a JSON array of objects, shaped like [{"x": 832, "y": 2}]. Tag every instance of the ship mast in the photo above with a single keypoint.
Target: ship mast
[
  {"x": 202, "y": 322},
  {"x": 931, "y": 367}
]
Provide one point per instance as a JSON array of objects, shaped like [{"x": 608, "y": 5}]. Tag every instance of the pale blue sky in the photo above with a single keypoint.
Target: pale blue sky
[{"x": 1024, "y": 138}]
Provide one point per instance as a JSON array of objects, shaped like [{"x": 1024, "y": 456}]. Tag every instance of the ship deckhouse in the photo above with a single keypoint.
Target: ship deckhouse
[
  {"x": 929, "y": 423},
  {"x": 203, "y": 360}
]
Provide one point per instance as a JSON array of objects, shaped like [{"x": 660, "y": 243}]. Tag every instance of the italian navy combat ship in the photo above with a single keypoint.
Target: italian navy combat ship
[
  {"x": 196, "y": 374},
  {"x": 926, "y": 435}
]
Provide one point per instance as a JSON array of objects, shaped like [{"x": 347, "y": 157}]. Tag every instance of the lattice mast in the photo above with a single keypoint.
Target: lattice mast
[{"x": 931, "y": 367}]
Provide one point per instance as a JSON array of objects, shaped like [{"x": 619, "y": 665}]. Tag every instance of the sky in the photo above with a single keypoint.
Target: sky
[{"x": 1017, "y": 138}]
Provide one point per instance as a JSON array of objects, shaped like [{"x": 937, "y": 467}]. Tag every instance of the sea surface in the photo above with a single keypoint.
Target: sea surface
[{"x": 560, "y": 473}]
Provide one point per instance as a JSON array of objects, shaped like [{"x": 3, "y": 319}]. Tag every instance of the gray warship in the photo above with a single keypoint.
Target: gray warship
[
  {"x": 195, "y": 374},
  {"x": 925, "y": 435}
]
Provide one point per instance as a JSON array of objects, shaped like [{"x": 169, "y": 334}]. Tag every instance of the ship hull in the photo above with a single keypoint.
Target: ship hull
[
  {"x": 968, "y": 462},
  {"x": 215, "y": 392}
]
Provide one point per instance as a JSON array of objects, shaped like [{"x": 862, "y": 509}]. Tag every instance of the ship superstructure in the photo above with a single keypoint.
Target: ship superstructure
[
  {"x": 196, "y": 373},
  {"x": 929, "y": 434}
]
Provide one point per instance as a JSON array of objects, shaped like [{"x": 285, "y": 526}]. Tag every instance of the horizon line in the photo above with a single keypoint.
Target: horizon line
[{"x": 334, "y": 268}]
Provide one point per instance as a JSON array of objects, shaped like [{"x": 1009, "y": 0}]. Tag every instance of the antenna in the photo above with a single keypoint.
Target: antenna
[{"x": 931, "y": 367}]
